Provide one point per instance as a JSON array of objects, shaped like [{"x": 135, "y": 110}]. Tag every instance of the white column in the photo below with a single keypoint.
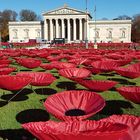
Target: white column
[
  {"x": 63, "y": 28},
  {"x": 80, "y": 26},
  {"x": 57, "y": 30},
  {"x": 68, "y": 20},
  {"x": 88, "y": 35},
  {"x": 74, "y": 29},
  {"x": 85, "y": 29},
  {"x": 45, "y": 29},
  {"x": 51, "y": 30}
]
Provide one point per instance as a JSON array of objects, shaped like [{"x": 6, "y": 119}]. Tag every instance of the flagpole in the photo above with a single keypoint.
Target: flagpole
[
  {"x": 95, "y": 41},
  {"x": 95, "y": 23},
  {"x": 86, "y": 38}
]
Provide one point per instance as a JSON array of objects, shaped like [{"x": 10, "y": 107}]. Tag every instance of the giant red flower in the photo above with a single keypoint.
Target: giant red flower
[
  {"x": 74, "y": 104},
  {"x": 131, "y": 93},
  {"x": 77, "y": 130},
  {"x": 131, "y": 121},
  {"x": 39, "y": 78}
]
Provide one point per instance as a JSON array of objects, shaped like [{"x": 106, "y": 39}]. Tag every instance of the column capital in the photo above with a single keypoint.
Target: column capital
[
  {"x": 51, "y": 19},
  {"x": 62, "y": 18},
  {"x": 68, "y": 19}
]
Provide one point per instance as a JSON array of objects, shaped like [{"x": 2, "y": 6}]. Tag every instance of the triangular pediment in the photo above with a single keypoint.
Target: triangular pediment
[{"x": 65, "y": 11}]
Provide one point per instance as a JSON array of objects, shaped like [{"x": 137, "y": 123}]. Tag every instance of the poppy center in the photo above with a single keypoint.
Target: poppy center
[{"x": 75, "y": 112}]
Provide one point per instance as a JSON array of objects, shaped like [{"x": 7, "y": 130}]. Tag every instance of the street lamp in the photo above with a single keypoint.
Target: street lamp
[{"x": 86, "y": 38}]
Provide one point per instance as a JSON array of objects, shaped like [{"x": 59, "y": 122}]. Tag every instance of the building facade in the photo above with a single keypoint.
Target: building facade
[{"x": 73, "y": 25}]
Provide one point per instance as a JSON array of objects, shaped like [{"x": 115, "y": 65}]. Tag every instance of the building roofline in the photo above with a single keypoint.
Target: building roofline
[
  {"x": 66, "y": 7},
  {"x": 110, "y": 21},
  {"x": 25, "y": 22}
]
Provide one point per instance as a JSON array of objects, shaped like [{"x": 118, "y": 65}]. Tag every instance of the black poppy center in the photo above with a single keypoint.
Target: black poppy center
[{"x": 75, "y": 112}]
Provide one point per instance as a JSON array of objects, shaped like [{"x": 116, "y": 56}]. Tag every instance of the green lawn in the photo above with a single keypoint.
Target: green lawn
[{"x": 28, "y": 106}]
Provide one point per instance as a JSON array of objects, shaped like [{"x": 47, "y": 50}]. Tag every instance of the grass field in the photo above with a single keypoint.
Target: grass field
[{"x": 28, "y": 105}]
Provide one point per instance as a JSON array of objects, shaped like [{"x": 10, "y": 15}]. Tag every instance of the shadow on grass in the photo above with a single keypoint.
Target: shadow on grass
[
  {"x": 3, "y": 103},
  {"x": 67, "y": 85},
  {"x": 18, "y": 97},
  {"x": 112, "y": 89},
  {"x": 25, "y": 91},
  {"x": 54, "y": 71},
  {"x": 112, "y": 107},
  {"x": 122, "y": 81},
  {"x": 16, "y": 134},
  {"x": 32, "y": 115},
  {"x": 42, "y": 100},
  {"x": 45, "y": 91},
  {"x": 107, "y": 74},
  {"x": 57, "y": 77},
  {"x": 25, "y": 69}
]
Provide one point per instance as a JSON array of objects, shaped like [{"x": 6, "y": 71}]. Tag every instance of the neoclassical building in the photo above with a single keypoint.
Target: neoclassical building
[{"x": 73, "y": 25}]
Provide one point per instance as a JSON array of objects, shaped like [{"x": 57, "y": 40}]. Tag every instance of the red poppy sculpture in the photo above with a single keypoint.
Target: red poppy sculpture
[
  {"x": 6, "y": 71},
  {"x": 96, "y": 85},
  {"x": 63, "y": 65},
  {"x": 43, "y": 54},
  {"x": 105, "y": 66},
  {"x": 135, "y": 66},
  {"x": 131, "y": 93},
  {"x": 132, "y": 71},
  {"x": 120, "y": 62},
  {"x": 47, "y": 66},
  {"x": 77, "y": 130},
  {"x": 14, "y": 54},
  {"x": 128, "y": 72},
  {"x": 93, "y": 70},
  {"x": 29, "y": 62},
  {"x": 72, "y": 73},
  {"x": 39, "y": 78},
  {"x": 53, "y": 58},
  {"x": 78, "y": 61},
  {"x": 74, "y": 104},
  {"x": 14, "y": 82},
  {"x": 4, "y": 65},
  {"x": 131, "y": 121},
  {"x": 123, "y": 62},
  {"x": 5, "y": 61}
]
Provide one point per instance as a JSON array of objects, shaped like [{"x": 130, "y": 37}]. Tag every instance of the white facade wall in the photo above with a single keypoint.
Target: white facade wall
[
  {"x": 115, "y": 26},
  {"x": 120, "y": 30},
  {"x": 23, "y": 31}
]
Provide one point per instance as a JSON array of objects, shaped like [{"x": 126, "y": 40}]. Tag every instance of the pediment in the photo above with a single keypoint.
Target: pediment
[{"x": 65, "y": 11}]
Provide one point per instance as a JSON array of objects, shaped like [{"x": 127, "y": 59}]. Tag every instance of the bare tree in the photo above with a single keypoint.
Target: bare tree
[
  {"x": 123, "y": 17},
  {"x": 28, "y": 15},
  {"x": 6, "y": 16},
  {"x": 104, "y": 18},
  {"x": 136, "y": 28},
  {"x": 9, "y": 15},
  {"x": 0, "y": 20}
]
